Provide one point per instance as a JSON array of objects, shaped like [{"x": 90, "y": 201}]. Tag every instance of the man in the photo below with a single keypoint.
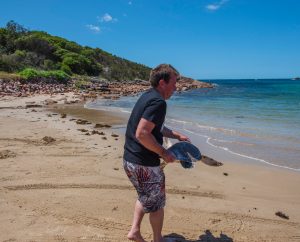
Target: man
[{"x": 143, "y": 148}]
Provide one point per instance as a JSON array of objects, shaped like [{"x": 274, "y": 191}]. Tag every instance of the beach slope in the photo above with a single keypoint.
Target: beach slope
[{"x": 62, "y": 180}]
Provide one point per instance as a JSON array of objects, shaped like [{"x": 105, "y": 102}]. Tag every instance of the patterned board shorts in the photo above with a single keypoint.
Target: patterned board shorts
[{"x": 149, "y": 183}]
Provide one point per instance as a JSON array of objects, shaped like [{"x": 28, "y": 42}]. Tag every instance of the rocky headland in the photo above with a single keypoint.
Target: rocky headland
[{"x": 92, "y": 88}]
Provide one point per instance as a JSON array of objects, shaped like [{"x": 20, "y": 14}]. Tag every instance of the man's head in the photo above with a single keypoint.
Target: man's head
[
  {"x": 163, "y": 78},
  {"x": 162, "y": 72}
]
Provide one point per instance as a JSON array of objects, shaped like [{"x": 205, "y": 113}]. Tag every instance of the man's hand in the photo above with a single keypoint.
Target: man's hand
[
  {"x": 183, "y": 138},
  {"x": 174, "y": 134},
  {"x": 168, "y": 156}
]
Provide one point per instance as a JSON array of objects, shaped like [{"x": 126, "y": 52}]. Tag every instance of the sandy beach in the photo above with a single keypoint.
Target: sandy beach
[{"x": 70, "y": 186}]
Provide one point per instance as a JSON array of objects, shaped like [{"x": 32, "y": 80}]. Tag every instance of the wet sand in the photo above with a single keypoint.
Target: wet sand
[
  {"x": 94, "y": 116},
  {"x": 73, "y": 188}
]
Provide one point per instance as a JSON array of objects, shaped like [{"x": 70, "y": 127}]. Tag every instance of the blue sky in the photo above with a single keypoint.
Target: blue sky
[{"x": 203, "y": 39}]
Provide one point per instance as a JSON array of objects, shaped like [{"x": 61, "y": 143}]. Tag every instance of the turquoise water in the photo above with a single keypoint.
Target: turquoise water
[{"x": 258, "y": 120}]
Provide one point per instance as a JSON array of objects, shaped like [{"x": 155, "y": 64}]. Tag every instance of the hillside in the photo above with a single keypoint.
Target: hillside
[
  {"x": 21, "y": 49},
  {"x": 35, "y": 62}
]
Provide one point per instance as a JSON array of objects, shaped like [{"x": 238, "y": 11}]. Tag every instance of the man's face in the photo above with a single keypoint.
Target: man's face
[{"x": 170, "y": 87}]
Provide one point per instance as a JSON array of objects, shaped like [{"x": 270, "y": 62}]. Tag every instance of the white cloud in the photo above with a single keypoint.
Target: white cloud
[
  {"x": 107, "y": 18},
  {"x": 93, "y": 28},
  {"x": 212, "y": 7},
  {"x": 216, "y": 6}
]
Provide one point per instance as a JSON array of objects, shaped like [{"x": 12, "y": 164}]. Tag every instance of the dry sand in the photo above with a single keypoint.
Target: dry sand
[{"x": 75, "y": 189}]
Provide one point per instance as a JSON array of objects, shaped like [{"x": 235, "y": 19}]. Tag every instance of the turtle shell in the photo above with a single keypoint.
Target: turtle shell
[{"x": 186, "y": 153}]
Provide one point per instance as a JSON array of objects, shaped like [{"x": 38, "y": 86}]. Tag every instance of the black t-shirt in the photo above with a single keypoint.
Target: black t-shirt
[{"x": 152, "y": 107}]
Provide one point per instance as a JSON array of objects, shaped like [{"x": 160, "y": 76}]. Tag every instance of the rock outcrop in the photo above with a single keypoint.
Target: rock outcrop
[{"x": 94, "y": 88}]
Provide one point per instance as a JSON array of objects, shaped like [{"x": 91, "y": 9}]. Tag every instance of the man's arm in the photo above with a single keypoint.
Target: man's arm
[
  {"x": 145, "y": 137},
  {"x": 174, "y": 134}
]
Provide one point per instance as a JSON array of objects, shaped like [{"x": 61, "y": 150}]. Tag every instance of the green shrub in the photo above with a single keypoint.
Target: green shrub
[
  {"x": 49, "y": 65},
  {"x": 30, "y": 74},
  {"x": 35, "y": 43},
  {"x": 77, "y": 63},
  {"x": 11, "y": 62},
  {"x": 65, "y": 68},
  {"x": 60, "y": 53},
  {"x": 58, "y": 75},
  {"x": 20, "y": 53}
]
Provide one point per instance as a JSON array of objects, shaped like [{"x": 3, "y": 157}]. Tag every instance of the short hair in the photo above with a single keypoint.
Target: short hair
[{"x": 162, "y": 71}]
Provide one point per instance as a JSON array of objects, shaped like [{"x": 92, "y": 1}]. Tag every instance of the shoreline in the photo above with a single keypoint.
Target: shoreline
[
  {"x": 228, "y": 155},
  {"x": 214, "y": 151},
  {"x": 74, "y": 188}
]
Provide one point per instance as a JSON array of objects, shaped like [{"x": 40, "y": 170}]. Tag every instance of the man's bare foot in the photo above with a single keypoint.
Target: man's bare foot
[{"x": 135, "y": 236}]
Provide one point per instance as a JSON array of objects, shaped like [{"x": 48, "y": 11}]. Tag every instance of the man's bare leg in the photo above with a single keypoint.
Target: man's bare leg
[
  {"x": 135, "y": 232},
  {"x": 157, "y": 220}
]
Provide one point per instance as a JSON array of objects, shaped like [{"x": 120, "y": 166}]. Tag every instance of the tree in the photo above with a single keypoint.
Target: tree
[
  {"x": 15, "y": 28},
  {"x": 36, "y": 44}
]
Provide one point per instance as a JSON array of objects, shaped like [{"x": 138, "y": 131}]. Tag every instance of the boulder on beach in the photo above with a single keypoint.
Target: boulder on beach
[
  {"x": 48, "y": 140},
  {"x": 33, "y": 106},
  {"x": 282, "y": 215},
  {"x": 82, "y": 121},
  {"x": 102, "y": 126},
  {"x": 50, "y": 101},
  {"x": 97, "y": 132}
]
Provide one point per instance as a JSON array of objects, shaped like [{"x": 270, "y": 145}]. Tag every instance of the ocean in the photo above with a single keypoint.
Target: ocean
[{"x": 255, "y": 121}]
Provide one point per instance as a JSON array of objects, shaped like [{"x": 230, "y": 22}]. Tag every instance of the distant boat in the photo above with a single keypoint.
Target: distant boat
[{"x": 296, "y": 78}]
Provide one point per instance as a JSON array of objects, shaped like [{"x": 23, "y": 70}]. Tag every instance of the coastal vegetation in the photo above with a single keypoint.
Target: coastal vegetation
[
  {"x": 37, "y": 55},
  {"x": 35, "y": 62}
]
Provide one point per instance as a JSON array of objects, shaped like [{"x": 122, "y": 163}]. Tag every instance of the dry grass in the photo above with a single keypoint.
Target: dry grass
[{"x": 9, "y": 76}]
